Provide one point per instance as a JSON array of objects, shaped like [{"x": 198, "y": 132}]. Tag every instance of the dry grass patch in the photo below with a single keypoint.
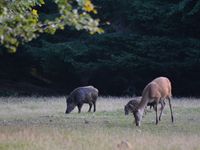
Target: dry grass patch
[{"x": 40, "y": 124}]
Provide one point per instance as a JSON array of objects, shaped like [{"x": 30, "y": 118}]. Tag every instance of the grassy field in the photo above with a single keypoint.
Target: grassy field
[{"x": 40, "y": 124}]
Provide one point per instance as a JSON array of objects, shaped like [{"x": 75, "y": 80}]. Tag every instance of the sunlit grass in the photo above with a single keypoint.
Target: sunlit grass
[{"x": 40, "y": 124}]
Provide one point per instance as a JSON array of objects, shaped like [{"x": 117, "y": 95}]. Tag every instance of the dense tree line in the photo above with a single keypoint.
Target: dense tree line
[{"x": 145, "y": 39}]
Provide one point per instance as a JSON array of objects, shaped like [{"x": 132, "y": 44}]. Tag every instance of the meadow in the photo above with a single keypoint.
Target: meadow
[{"x": 39, "y": 123}]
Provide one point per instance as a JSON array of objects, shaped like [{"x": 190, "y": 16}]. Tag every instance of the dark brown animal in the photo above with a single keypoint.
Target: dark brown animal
[
  {"x": 131, "y": 106},
  {"x": 156, "y": 91},
  {"x": 81, "y": 95}
]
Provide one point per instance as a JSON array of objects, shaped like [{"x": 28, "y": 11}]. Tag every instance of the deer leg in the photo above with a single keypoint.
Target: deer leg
[
  {"x": 156, "y": 109},
  {"x": 161, "y": 109},
  {"x": 170, "y": 105}
]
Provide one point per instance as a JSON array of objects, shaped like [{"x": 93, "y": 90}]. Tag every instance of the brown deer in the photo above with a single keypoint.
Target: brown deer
[{"x": 155, "y": 92}]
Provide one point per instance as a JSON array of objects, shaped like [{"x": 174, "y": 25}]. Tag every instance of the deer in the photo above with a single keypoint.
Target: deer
[{"x": 157, "y": 91}]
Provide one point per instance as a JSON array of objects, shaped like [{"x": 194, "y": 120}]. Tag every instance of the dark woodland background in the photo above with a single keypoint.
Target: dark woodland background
[{"x": 145, "y": 39}]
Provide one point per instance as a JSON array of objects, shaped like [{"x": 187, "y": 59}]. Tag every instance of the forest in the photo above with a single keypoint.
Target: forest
[{"x": 142, "y": 39}]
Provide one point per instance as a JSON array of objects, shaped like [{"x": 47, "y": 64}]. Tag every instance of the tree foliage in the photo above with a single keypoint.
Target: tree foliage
[{"x": 20, "y": 22}]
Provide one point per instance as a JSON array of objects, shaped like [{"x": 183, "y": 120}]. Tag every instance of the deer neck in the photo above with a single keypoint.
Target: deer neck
[{"x": 143, "y": 103}]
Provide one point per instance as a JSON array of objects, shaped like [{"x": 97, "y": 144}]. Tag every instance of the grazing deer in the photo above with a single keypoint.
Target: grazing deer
[{"x": 155, "y": 92}]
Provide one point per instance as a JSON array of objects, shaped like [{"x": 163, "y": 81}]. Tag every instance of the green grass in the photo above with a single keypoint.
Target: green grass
[{"x": 40, "y": 124}]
